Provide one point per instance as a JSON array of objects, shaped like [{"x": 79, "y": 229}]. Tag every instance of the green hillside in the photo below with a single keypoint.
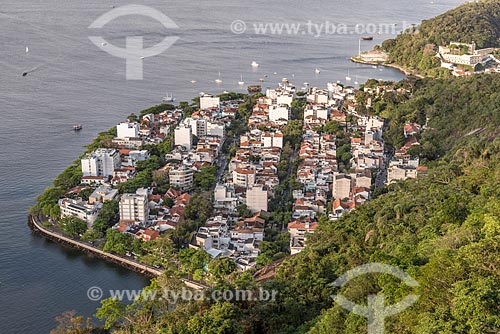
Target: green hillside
[{"x": 471, "y": 22}]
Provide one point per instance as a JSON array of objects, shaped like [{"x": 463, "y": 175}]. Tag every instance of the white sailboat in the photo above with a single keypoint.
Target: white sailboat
[
  {"x": 254, "y": 64},
  {"x": 218, "y": 80},
  {"x": 348, "y": 78},
  {"x": 241, "y": 82},
  {"x": 168, "y": 98}
]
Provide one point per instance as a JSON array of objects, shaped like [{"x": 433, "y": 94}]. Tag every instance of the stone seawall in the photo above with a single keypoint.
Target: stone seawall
[{"x": 140, "y": 268}]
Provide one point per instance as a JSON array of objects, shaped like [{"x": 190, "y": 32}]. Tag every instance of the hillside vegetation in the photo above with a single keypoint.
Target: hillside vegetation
[{"x": 471, "y": 22}]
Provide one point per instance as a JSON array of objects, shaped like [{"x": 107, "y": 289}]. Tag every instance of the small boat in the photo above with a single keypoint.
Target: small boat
[
  {"x": 104, "y": 44},
  {"x": 285, "y": 80},
  {"x": 367, "y": 38},
  {"x": 275, "y": 73},
  {"x": 142, "y": 57},
  {"x": 77, "y": 127},
  {"x": 348, "y": 76},
  {"x": 168, "y": 98},
  {"x": 25, "y": 74},
  {"x": 356, "y": 83},
  {"x": 241, "y": 82},
  {"x": 261, "y": 79},
  {"x": 193, "y": 81},
  {"x": 306, "y": 84},
  {"x": 218, "y": 80},
  {"x": 318, "y": 71},
  {"x": 255, "y": 64},
  {"x": 27, "y": 49},
  {"x": 374, "y": 66}
]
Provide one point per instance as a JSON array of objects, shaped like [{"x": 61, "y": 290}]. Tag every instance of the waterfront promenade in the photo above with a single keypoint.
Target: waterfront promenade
[{"x": 141, "y": 268}]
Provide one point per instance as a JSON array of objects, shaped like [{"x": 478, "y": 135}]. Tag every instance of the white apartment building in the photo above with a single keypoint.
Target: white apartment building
[
  {"x": 316, "y": 112},
  {"x": 342, "y": 186},
  {"x": 202, "y": 127},
  {"x": 209, "y": 101},
  {"x": 317, "y": 96},
  {"x": 257, "y": 198},
  {"x": 243, "y": 177},
  {"x": 181, "y": 177},
  {"x": 224, "y": 198},
  {"x": 80, "y": 209},
  {"x": 285, "y": 99},
  {"x": 127, "y": 130},
  {"x": 101, "y": 162},
  {"x": 272, "y": 139},
  {"x": 402, "y": 169},
  {"x": 134, "y": 208},
  {"x": 216, "y": 129},
  {"x": 279, "y": 112},
  {"x": 136, "y": 156},
  {"x": 103, "y": 194},
  {"x": 131, "y": 143},
  {"x": 183, "y": 136}
]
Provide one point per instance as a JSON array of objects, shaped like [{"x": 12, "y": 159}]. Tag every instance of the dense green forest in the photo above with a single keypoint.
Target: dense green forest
[
  {"x": 414, "y": 49},
  {"x": 443, "y": 230}
]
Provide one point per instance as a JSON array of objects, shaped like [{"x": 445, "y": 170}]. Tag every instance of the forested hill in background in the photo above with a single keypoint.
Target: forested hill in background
[
  {"x": 443, "y": 230},
  {"x": 415, "y": 50}
]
